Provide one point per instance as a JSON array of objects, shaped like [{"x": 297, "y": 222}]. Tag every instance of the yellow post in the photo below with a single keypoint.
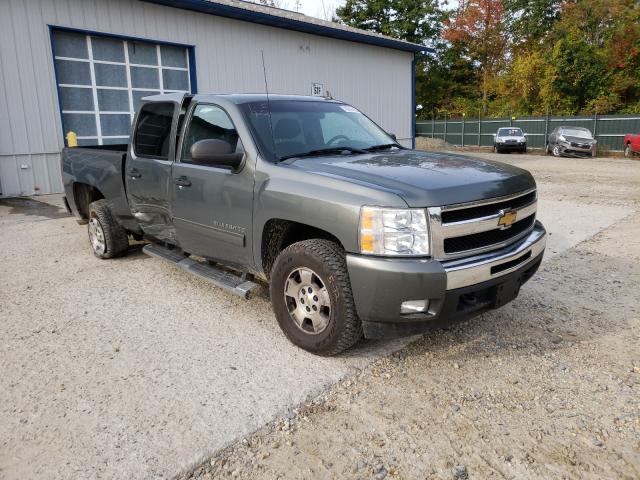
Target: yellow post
[{"x": 72, "y": 139}]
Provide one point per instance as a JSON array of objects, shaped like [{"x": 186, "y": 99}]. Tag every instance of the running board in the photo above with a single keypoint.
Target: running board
[{"x": 218, "y": 277}]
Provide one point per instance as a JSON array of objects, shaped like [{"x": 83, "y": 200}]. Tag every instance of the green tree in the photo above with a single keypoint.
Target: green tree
[
  {"x": 479, "y": 26},
  {"x": 416, "y": 21}
]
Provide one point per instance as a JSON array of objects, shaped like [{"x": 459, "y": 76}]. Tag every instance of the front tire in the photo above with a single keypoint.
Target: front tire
[
  {"x": 312, "y": 298},
  {"x": 106, "y": 236},
  {"x": 628, "y": 153},
  {"x": 556, "y": 151}
]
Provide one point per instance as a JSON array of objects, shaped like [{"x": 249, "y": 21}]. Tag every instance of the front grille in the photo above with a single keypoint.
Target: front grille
[
  {"x": 485, "y": 239},
  {"x": 580, "y": 145},
  {"x": 487, "y": 210}
]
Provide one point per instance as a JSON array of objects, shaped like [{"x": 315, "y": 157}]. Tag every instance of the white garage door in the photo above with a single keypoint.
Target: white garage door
[{"x": 102, "y": 79}]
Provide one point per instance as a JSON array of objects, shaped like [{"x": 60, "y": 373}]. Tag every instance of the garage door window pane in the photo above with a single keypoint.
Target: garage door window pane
[
  {"x": 173, "y": 56},
  {"x": 113, "y": 100},
  {"x": 110, "y": 75},
  {"x": 142, "y": 53},
  {"x": 83, "y": 124},
  {"x": 109, "y": 49},
  {"x": 116, "y": 141},
  {"x": 115, "y": 124},
  {"x": 138, "y": 95},
  {"x": 73, "y": 73},
  {"x": 142, "y": 77},
  {"x": 69, "y": 44},
  {"x": 76, "y": 98},
  {"x": 175, "y": 80}
]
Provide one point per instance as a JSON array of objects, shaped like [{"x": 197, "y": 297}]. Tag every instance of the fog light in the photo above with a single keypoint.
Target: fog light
[{"x": 414, "y": 306}]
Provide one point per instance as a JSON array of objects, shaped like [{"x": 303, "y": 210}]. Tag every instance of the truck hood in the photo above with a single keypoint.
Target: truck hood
[{"x": 423, "y": 179}]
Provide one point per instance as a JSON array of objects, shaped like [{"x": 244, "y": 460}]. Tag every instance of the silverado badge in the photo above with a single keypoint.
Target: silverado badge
[{"x": 507, "y": 218}]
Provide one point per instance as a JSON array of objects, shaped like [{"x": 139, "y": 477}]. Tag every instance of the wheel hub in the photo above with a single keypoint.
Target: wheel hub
[
  {"x": 307, "y": 300},
  {"x": 96, "y": 236}
]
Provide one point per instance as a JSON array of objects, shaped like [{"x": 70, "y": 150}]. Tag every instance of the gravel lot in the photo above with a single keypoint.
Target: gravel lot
[{"x": 133, "y": 369}]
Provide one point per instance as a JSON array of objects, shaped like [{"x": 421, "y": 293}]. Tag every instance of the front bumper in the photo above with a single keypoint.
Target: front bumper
[
  {"x": 574, "y": 150},
  {"x": 518, "y": 146},
  {"x": 456, "y": 290}
]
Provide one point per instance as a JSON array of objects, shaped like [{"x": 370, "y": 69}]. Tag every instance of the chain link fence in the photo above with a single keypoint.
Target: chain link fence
[{"x": 609, "y": 130}]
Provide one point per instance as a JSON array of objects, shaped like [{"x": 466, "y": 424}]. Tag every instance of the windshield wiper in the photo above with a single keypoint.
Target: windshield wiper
[
  {"x": 382, "y": 147},
  {"x": 323, "y": 151}
]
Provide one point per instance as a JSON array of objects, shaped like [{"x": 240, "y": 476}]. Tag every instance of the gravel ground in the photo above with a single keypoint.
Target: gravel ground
[
  {"x": 547, "y": 387},
  {"x": 133, "y": 369}
]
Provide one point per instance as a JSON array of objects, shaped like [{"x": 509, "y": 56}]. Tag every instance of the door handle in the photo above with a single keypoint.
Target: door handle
[
  {"x": 134, "y": 173},
  {"x": 182, "y": 182}
]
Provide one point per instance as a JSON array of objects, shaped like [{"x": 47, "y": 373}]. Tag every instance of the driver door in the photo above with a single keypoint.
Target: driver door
[{"x": 213, "y": 206}]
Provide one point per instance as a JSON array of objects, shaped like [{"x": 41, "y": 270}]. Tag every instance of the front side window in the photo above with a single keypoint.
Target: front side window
[
  {"x": 285, "y": 128},
  {"x": 209, "y": 122},
  {"x": 153, "y": 131}
]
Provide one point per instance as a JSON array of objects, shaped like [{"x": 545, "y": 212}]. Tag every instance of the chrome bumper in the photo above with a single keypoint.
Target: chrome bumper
[{"x": 480, "y": 268}]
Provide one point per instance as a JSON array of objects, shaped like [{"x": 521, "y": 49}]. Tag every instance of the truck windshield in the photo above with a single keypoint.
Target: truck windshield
[{"x": 307, "y": 127}]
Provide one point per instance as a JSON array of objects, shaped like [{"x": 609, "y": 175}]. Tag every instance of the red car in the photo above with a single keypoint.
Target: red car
[{"x": 631, "y": 144}]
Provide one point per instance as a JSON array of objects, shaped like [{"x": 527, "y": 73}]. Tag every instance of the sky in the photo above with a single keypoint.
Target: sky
[{"x": 314, "y": 8}]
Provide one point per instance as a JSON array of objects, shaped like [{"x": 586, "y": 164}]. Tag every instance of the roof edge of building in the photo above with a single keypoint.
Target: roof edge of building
[{"x": 324, "y": 29}]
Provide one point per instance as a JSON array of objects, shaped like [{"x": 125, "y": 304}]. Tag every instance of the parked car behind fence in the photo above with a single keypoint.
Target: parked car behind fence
[{"x": 571, "y": 141}]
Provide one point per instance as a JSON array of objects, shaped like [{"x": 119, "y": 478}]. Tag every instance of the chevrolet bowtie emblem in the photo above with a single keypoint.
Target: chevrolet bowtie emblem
[{"x": 507, "y": 218}]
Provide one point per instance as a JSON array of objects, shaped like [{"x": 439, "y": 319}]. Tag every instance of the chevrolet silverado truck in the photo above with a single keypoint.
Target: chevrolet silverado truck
[{"x": 354, "y": 234}]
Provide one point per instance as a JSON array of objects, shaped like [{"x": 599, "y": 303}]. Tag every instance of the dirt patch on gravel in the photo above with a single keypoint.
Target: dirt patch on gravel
[{"x": 547, "y": 387}]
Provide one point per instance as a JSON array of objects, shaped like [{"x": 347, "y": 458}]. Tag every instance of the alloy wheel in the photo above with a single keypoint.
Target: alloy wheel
[
  {"x": 96, "y": 236},
  {"x": 307, "y": 300}
]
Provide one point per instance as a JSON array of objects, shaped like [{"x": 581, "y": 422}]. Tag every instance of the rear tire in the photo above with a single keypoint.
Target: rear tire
[
  {"x": 106, "y": 236},
  {"x": 315, "y": 267},
  {"x": 628, "y": 153}
]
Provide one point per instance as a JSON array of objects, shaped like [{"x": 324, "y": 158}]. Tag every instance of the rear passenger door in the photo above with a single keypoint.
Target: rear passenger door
[
  {"x": 213, "y": 206},
  {"x": 148, "y": 168}
]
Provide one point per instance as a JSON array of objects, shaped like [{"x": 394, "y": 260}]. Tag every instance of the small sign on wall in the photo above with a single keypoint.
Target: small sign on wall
[{"x": 317, "y": 89}]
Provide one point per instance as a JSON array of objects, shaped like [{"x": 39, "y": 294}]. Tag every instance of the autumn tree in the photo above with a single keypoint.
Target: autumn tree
[{"x": 478, "y": 24}]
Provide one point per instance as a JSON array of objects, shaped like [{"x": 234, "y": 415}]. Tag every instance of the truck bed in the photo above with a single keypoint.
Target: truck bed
[{"x": 100, "y": 167}]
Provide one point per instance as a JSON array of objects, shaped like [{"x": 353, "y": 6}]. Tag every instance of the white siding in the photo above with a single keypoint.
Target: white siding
[{"x": 374, "y": 79}]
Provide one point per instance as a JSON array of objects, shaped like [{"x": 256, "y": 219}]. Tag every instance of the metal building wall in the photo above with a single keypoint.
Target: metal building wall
[{"x": 374, "y": 79}]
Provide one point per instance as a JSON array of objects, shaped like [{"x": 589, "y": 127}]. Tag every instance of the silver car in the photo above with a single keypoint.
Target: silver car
[
  {"x": 509, "y": 139},
  {"x": 571, "y": 141}
]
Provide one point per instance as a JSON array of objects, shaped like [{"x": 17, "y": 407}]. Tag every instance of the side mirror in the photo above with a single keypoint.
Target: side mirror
[
  {"x": 525, "y": 134},
  {"x": 393, "y": 135},
  {"x": 495, "y": 135},
  {"x": 216, "y": 153}
]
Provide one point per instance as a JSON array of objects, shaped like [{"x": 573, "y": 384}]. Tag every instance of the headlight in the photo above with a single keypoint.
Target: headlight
[
  {"x": 562, "y": 138},
  {"x": 499, "y": 140},
  {"x": 394, "y": 231}
]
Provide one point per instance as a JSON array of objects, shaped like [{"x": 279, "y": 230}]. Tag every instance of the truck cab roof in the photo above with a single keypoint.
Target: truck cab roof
[{"x": 237, "y": 98}]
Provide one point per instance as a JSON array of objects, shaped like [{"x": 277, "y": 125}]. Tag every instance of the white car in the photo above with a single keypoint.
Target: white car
[{"x": 509, "y": 139}]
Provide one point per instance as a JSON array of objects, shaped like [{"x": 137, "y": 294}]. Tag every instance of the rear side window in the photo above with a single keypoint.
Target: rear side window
[{"x": 153, "y": 131}]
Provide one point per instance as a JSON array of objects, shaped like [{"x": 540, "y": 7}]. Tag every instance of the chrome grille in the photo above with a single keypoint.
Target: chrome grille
[{"x": 471, "y": 228}]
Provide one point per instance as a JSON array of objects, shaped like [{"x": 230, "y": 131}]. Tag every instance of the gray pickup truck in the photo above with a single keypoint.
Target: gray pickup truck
[{"x": 354, "y": 234}]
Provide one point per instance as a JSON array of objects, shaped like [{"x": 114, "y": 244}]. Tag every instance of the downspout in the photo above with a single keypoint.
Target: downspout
[{"x": 413, "y": 102}]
